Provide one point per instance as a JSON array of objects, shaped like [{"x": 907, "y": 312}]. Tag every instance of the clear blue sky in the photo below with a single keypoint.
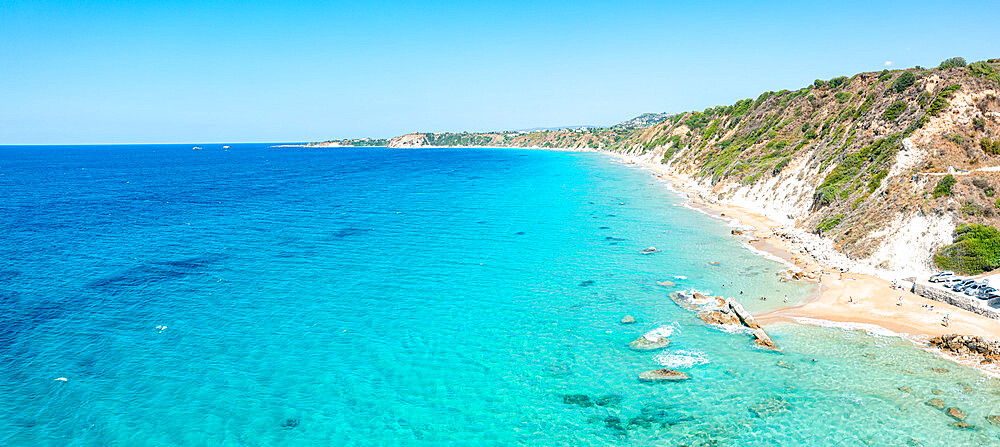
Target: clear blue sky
[{"x": 194, "y": 71}]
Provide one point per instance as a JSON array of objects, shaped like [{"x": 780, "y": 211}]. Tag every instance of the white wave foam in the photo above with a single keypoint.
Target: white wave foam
[
  {"x": 870, "y": 329},
  {"x": 660, "y": 332},
  {"x": 681, "y": 359},
  {"x": 680, "y": 277},
  {"x": 732, "y": 328}
]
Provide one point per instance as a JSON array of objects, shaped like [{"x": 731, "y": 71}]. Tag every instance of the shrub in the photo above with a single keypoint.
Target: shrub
[
  {"x": 884, "y": 76},
  {"x": 842, "y": 96},
  {"x": 955, "y": 138},
  {"x": 981, "y": 69},
  {"x": 828, "y": 223},
  {"x": 903, "y": 82},
  {"x": 876, "y": 180},
  {"x": 952, "y": 62},
  {"x": 819, "y": 83},
  {"x": 940, "y": 101},
  {"x": 895, "y": 109},
  {"x": 976, "y": 249},
  {"x": 838, "y": 82},
  {"x": 943, "y": 187},
  {"x": 971, "y": 209},
  {"x": 991, "y": 147}
]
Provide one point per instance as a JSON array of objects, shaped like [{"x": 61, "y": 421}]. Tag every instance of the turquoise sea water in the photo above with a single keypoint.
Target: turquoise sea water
[{"x": 285, "y": 296}]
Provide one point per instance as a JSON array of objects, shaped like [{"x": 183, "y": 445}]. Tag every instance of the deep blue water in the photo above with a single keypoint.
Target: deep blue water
[{"x": 285, "y": 296}]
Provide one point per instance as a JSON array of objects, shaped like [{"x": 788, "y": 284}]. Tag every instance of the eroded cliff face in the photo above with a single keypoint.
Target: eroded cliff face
[{"x": 854, "y": 161}]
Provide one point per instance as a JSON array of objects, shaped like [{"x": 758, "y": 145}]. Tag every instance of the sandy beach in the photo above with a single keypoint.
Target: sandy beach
[{"x": 849, "y": 299}]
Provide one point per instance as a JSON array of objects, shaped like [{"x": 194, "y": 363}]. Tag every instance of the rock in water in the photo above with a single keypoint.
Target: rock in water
[
  {"x": 963, "y": 425},
  {"x": 956, "y": 414},
  {"x": 644, "y": 344},
  {"x": 745, "y": 317},
  {"x": 666, "y": 283},
  {"x": 628, "y": 319},
  {"x": 609, "y": 400},
  {"x": 718, "y": 316},
  {"x": 580, "y": 400},
  {"x": 663, "y": 375},
  {"x": 649, "y": 250},
  {"x": 763, "y": 339},
  {"x": 995, "y": 420},
  {"x": 906, "y": 389},
  {"x": 936, "y": 403}
]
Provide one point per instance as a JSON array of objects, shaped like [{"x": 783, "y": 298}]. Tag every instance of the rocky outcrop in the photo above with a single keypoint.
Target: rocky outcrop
[
  {"x": 628, "y": 319},
  {"x": 649, "y": 343},
  {"x": 663, "y": 375},
  {"x": 956, "y": 414},
  {"x": 987, "y": 351},
  {"x": 726, "y": 312},
  {"x": 936, "y": 403}
]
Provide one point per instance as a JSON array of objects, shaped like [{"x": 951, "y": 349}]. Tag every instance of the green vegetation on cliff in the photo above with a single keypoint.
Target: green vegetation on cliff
[{"x": 976, "y": 249}]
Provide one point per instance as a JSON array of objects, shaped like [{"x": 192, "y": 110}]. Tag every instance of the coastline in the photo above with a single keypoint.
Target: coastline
[{"x": 852, "y": 300}]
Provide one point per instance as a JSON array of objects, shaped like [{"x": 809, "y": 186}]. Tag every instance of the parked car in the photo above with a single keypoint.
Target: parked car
[
  {"x": 963, "y": 285},
  {"x": 951, "y": 282},
  {"x": 942, "y": 276},
  {"x": 974, "y": 289},
  {"x": 985, "y": 291},
  {"x": 991, "y": 296}
]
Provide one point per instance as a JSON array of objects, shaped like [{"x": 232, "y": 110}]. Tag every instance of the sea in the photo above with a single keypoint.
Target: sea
[{"x": 157, "y": 295}]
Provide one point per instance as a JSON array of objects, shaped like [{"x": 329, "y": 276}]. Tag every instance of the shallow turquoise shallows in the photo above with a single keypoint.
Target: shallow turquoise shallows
[{"x": 293, "y": 297}]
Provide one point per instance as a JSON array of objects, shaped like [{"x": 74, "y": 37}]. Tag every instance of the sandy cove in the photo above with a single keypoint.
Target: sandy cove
[{"x": 841, "y": 298}]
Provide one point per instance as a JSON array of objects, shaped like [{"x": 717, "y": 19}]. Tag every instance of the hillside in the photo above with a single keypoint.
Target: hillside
[{"x": 882, "y": 166}]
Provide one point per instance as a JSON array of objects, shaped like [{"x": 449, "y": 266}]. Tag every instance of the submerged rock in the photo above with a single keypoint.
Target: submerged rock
[
  {"x": 609, "y": 400},
  {"x": 646, "y": 344},
  {"x": 995, "y": 420},
  {"x": 939, "y": 370},
  {"x": 906, "y": 389},
  {"x": 783, "y": 364},
  {"x": 649, "y": 250},
  {"x": 769, "y": 407},
  {"x": 586, "y": 283},
  {"x": 666, "y": 283},
  {"x": 290, "y": 423},
  {"x": 956, "y": 414},
  {"x": 580, "y": 400},
  {"x": 663, "y": 375},
  {"x": 963, "y": 425},
  {"x": 628, "y": 319},
  {"x": 936, "y": 403}
]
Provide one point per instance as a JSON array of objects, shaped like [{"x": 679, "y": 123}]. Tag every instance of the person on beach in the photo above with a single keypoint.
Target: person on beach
[
  {"x": 850, "y": 299},
  {"x": 786, "y": 298},
  {"x": 899, "y": 301},
  {"x": 944, "y": 321}
]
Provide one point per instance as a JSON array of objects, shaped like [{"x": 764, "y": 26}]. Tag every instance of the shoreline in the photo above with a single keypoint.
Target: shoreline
[{"x": 862, "y": 300}]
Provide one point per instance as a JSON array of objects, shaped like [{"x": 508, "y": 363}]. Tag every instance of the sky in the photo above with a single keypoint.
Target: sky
[{"x": 96, "y": 71}]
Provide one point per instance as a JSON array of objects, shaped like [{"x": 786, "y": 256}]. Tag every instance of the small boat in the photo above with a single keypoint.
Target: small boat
[
  {"x": 196, "y": 148},
  {"x": 225, "y": 147}
]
